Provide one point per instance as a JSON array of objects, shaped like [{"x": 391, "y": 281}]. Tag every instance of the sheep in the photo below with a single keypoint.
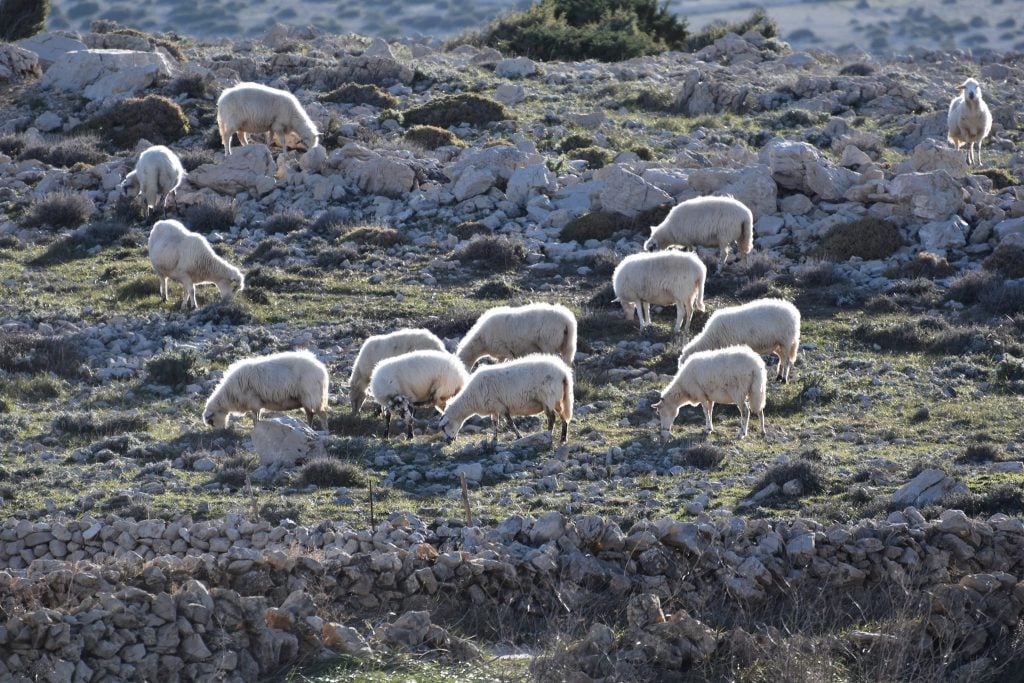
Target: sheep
[
  {"x": 184, "y": 256},
  {"x": 505, "y": 332},
  {"x": 765, "y": 325},
  {"x": 381, "y": 346},
  {"x": 525, "y": 386},
  {"x": 734, "y": 375},
  {"x": 420, "y": 377},
  {"x": 706, "y": 222},
  {"x": 157, "y": 174},
  {"x": 663, "y": 278},
  {"x": 280, "y": 381},
  {"x": 969, "y": 119},
  {"x": 256, "y": 108}
]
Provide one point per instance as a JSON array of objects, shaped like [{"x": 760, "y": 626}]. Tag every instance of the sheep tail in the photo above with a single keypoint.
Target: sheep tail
[
  {"x": 565, "y": 406},
  {"x": 758, "y": 392},
  {"x": 746, "y": 241},
  {"x": 698, "y": 303}
]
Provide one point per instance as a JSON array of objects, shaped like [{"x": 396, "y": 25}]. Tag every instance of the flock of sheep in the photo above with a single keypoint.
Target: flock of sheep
[{"x": 534, "y": 345}]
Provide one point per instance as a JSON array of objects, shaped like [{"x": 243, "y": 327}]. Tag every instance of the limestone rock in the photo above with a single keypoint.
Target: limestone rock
[
  {"x": 930, "y": 155},
  {"x": 752, "y": 185},
  {"x": 629, "y": 194},
  {"x": 939, "y": 236},
  {"x": 284, "y": 440},
  {"x": 345, "y": 640},
  {"x": 501, "y": 160},
  {"x": 932, "y": 196},
  {"x": 49, "y": 47},
  {"x": 18, "y": 64},
  {"x": 1009, "y": 228},
  {"x": 105, "y": 74},
  {"x": 472, "y": 182},
  {"x": 510, "y": 93},
  {"x": 927, "y": 488},
  {"x": 314, "y": 160},
  {"x": 528, "y": 181},
  {"x": 250, "y": 168},
  {"x": 517, "y": 67}
]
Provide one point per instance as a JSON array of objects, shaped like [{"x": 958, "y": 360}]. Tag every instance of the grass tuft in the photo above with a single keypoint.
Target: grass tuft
[
  {"x": 868, "y": 238},
  {"x": 59, "y": 210},
  {"x": 331, "y": 473},
  {"x": 496, "y": 252}
]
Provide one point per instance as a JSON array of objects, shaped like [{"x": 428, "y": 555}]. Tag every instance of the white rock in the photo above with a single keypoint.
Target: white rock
[
  {"x": 49, "y": 47},
  {"x": 501, "y": 160},
  {"x": 789, "y": 161},
  {"x": 517, "y": 67},
  {"x": 1009, "y": 227},
  {"x": 672, "y": 180},
  {"x": 933, "y": 196},
  {"x": 472, "y": 182},
  {"x": 527, "y": 182},
  {"x": 249, "y": 168},
  {"x": 769, "y": 225},
  {"x": 474, "y": 471},
  {"x": 629, "y": 194},
  {"x": 379, "y": 48},
  {"x": 939, "y": 236},
  {"x": 510, "y": 93},
  {"x": 48, "y": 121},
  {"x": 284, "y": 441},
  {"x": 930, "y": 155},
  {"x": 314, "y": 160},
  {"x": 752, "y": 185},
  {"x": 18, "y": 64},
  {"x": 105, "y": 74},
  {"x": 928, "y": 487}
]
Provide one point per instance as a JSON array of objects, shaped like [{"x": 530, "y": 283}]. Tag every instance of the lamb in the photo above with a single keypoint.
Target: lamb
[
  {"x": 707, "y": 222},
  {"x": 765, "y": 325},
  {"x": 420, "y": 377},
  {"x": 381, "y": 346},
  {"x": 734, "y": 375},
  {"x": 157, "y": 174},
  {"x": 525, "y": 386},
  {"x": 505, "y": 332},
  {"x": 969, "y": 119},
  {"x": 256, "y": 108},
  {"x": 663, "y": 278},
  {"x": 184, "y": 256},
  {"x": 281, "y": 381}
]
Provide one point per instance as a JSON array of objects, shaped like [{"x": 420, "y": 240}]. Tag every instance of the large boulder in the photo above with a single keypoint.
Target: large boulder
[
  {"x": 628, "y": 194},
  {"x": 516, "y": 67},
  {"x": 105, "y": 74},
  {"x": 250, "y": 168},
  {"x": 373, "y": 173},
  {"x": 50, "y": 47},
  {"x": 927, "y": 488},
  {"x": 752, "y": 185},
  {"x": 18, "y": 64},
  {"x": 931, "y": 196},
  {"x": 929, "y": 155},
  {"x": 529, "y": 181},
  {"x": 939, "y": 236},
  {"x": 473, "y": 182},
  {"x": 283, "y": 441},
  {"x": 501, "y": 160},
  {"x": 800, "y": 166}
]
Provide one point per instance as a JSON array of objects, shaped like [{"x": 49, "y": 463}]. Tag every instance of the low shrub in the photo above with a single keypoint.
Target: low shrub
[
  {"x": 1007, "y": 499},
  {"x": 153, "y": 117},
  {"x": 35, "y": 354},
  {"x": 703, "y": 456},
  {"x": 497, "y": 252},
  {"x": 821, "y": 274},
  {"x": 596, "y": 157},
  {"x": 375, "y": 235},
  {"x": 65, "y": 151},
  {"x": 233, "y": 312},
  {"x": 234, "y": 471},
  {"x": 1001, "y": 178},
  {"x": 22, "y": 18},
  {"x": 502, "y": 290},
  {"x": 78, "y": 244},
  {"x": 210, "y": 216},
  {"x": 194, "y": 157},
  {"x": 596, "y": 225},
  {"x": 192, "y": 86},
  {"x": 575, "y": 141},
  {"x": 452, "y": 110},
  {"x": 268, "y": 251},
  {"x": 355, "y": 93},
  {"x": 335, "y": 257},
  {"x": 1004, "y": 298},
  {"x": 869, "y": 238},
  {"x": 604, "y": 262},
  {"x": 284, "y": 223},
  {"x": 331, "y": 473},
  {"x": 173, "y": 368},
  {"x": 967, "y": 288},
  {"x": 1007, "y": 260},
  {"x": 758, "y": 21},
  {"x": 1010, "y": 369},
  {"x": 979, "y": 453},
  {"x": 469, "y": 229},
  {"x": 809, "y": 472},
  {"x": 139, "y": 288},
  {"x": 857, "y": 69},
  {"x": 59, "y": 210},
  {"x": 432, "y": 137},
  {"x": 88, "y": 424},
  {"x": 925, "y": 265}
]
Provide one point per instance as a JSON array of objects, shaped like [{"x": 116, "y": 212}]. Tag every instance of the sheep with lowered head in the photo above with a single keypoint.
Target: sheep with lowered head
[
  {"x": 381, "y": 346},
  {"x": 538, "y": 383},
  {"x": 184, "y": 256},
  {"x": 663, "y": 278},
  {"x": 157, "y": 174},
  {"x": 706, "y": 222},
  {"x": 733, "y": 375},
  {"x": 969, "y": 119},
  {"x": 505, "y": 332},
  {"x": 281, "y": 381},
  {"x": 256, "y": 108},
  {"x": 765, "y": 325},
  {"x": 420, "y": 377}
]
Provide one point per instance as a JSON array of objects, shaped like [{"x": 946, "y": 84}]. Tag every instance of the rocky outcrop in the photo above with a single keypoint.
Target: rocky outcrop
[{"x": 105, "y": 74}]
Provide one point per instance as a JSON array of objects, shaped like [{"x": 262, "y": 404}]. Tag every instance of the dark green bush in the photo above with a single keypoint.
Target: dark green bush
[
  {"x": 193, "y": 158},
  {"x": 452, "y": 110},
  {"x": 210, "y": 216},
  {"x": 469, "y": 229},
  {"x": 607, "y": 30},
  {"x": 868, "y": 238},
  {"x": 758, "y": 21},
  {"x": 704, "y": 457},
  {"x": 597, "y": 225},
  {"x": 34, "y": 354},
  {"x": 66, "y": 151},
  {"x": 857, "y": 69},
  {"x": 575, "y": 141},
  {"x": 926, "y": 265},
  {"x": 502, "y": 290},
  {"x": 284, "y": 223},
  {"x": 808, "y": 471},
  {"x": 496, "y": 252},
  {"x": 22, "y": 18},
  {"x": 1001, "y": 178},
  {"x": 173, "y": 368},
  {"x": 102, "y": 233},
  {"x": 1007, "y": 260},
  {"x": 375, "y": 235},
  {"x": 354, "y": 93},
  {"x": 153, "y": 117},
  {"x": 432, "y": 137},
  {"x": 59, "y": 210},
  {"x": 596, "y": 157},
  {"x": 192, "y": 86},
  {"x": 330, "y": 473},
  {"x": 87, "y": 424}
]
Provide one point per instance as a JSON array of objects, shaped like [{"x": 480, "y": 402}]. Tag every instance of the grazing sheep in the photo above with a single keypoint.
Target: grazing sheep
[
  {"x": 184, "y": 256},
  {"x": 157, "y": 174},
  {"x": 256, "y": 108},
  {"x": 706, "y": 222},
  {"x": 669, "y": 277},
  {"x": 505, "y": 332},
  {"x": 281, "y": 381},
  {"x": 381, "y": 346},
  {"x": 765, "y": 325},
  {"x": 420, "y": 377},
  {"x": 733, "y": 375},
  {"x": 525, "y": 386},
  {"x": 969, "y": 119}
]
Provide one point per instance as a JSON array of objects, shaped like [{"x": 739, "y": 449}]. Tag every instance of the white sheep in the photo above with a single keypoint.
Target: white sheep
[
  {"x": 765, "y": 325},
  {"x": 157, "y": 174},
  {"x": 256, "y": 108},
  {"x": 281, "y": 381},
  {"x": 381, "y": 346},
  {"x": 733, "y": 375},
  {"x": 668, "y": 277},
  {"x": 184, "y": 256},
  {"x": 525, "y": 386},
  {"x": 706, "y": 222},
  {"x": 505, "y": 332},
  {"x": 416, "y": 378},
  {"x": 969, "y": 119}
]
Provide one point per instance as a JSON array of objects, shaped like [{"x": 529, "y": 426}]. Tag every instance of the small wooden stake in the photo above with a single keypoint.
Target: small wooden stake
[
  {"x": 371, "y": 504},
  {"x": 465, "y": 499}
]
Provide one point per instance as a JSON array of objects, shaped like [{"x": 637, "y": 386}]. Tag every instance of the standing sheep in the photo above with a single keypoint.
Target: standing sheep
[
  {"x": 706, "y": 222},
  {"x": 669, "y": 277},
  {"x": 505, "y": 332},
  {"x": 281, "y": 381},
  {"x": 420, "y": 377},
  {"x": 157, "y": 174},
  {"x": 184, "y": 256},
  {"x": 256, "y": 108},
  {"x": 969, "y": 119},
  {"x": 525, "y": 386},
  {"x": 765, "y": 325},
  {"x": 733, "y": 375},
  {"x": 381, "y": 346}
]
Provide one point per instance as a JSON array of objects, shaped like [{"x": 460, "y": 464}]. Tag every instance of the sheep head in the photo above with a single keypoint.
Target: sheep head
[
  {"x": 651, "y": 244},
  {"x": 449, "y": 429},
  {"x": 217, "y": 420},
  {"x": 130, "y": 185},
  {"x": 971, "y": 90},
  {"x": 666, "y": 414}
]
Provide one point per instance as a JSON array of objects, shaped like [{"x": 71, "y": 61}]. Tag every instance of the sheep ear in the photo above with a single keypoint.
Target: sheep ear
[
  {"x": 962, "y": 86},
  {"x": 655, "y": 406}
]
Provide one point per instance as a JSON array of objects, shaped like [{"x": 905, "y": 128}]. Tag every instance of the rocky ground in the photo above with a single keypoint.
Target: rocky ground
[{"x": 139, "y": 544}]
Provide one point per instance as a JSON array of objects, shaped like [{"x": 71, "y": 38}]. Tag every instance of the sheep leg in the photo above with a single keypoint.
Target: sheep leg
[
  {"x": 647, "y": 311},
  {"x": 164, "y": 287},
  {"x": 494, "y": 423},
  {"x": 764, "y": 432},
  {"x": 709, "y": 407},
  {"x": 551, "y": 420},
  {"x": 190, "y": 295},
  {"x": 407, "y": 416},
  {"x": 508, "y": 416},
  {"x": 565, "y": 431},
  {"x": 723, "y": 256},
  {"x": 387, "y": 424},
  {"x": 744, "y": 417}
]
